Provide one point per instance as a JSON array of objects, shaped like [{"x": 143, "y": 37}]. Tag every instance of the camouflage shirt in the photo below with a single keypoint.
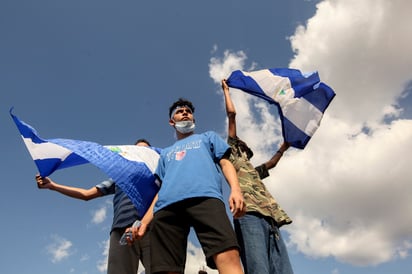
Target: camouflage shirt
[{"x": 256, "y": 196}]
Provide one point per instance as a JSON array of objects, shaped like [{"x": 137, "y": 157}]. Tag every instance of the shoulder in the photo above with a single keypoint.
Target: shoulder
[{"x": 211, "y": 135}]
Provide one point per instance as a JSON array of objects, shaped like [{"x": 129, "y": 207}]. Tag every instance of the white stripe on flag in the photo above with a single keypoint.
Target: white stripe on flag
[
  {"x": 276, "y": 87},
  {"x": 309, "y": 122},
  {"x": 46, "y": 150},
  {"x": 138, "y": 154}
]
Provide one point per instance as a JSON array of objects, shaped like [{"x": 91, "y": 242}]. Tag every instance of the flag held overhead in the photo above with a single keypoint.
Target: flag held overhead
[{"x": 301, "y": 98}]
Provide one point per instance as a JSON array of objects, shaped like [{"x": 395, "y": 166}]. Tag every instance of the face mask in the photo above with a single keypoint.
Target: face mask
[{"x": 185, "y": 126}]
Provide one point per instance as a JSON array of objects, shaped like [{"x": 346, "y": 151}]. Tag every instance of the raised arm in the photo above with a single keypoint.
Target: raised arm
[
  {"x": 74, "y": 192},
  {"x": 230, "y": 110}
]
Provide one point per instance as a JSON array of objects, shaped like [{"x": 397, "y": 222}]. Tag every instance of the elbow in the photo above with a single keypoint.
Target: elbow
[{"x": 231, "y": 114}]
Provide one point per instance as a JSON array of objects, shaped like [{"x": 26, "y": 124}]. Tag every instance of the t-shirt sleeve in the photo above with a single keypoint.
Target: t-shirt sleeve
[
  {"x": 106, "y": 187},
  {"x": 218, "y": 146},
  {"x": 159, "y": 172},
  {"x": 263, "y": 171}
]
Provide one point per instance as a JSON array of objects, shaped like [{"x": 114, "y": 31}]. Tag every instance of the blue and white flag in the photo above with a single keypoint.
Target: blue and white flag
[
  {"x": 301, "y": 98},
  {"x": 131, "y": 167}
]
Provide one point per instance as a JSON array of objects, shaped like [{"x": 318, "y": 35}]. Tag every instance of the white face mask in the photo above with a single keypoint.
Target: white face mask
[{"x": 185, "y": 126}]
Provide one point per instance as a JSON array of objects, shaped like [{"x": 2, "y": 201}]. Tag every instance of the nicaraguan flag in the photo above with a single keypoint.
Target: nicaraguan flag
[
  {"x": 131, "y": 167},
  {"x": 301, "y": 98}
]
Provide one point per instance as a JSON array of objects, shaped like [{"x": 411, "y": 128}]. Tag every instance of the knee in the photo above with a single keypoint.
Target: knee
[{"x": 227, "y": 257}]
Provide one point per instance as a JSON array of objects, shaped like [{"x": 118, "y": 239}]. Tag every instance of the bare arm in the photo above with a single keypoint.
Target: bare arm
[
  {"x": 236, "y": 204},
  {"x": 230, "y": 110},
  {"x": 74, "y": 192},
  {"x": 138, "y": 232},
  {"x": 276, "y": 157}
]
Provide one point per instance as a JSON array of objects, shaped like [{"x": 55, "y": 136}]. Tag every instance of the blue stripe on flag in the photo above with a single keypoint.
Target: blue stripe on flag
[
  {"x": 135, "y": 177},
  {"x": 321, "y": 97},
  {"x": 301, "y": 98},
  {"x": 294, "y": 134}
]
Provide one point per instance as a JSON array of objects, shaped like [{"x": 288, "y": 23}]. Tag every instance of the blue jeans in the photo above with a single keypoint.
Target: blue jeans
[{"x": 263, "y": 250}]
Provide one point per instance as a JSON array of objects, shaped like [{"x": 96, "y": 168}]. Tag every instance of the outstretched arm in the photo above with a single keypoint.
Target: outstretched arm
[
  {"x": 230, "y": 110},
  {"x": 276, "y": 157},
  {"x": 263, "y": 169},
  {"x": 74, "y": 192}
]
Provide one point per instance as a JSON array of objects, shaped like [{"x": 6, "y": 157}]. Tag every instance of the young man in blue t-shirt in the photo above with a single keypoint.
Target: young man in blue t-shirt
[{"x": 191, "y": 196}]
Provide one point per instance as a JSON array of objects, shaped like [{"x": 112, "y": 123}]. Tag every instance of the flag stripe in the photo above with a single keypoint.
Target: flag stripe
[
  {"x": 43, "y": 150},
  {"x": 321, "y": 96},
  {"x": 239, "y": 80},
  {"x": 293, "y": 112},
  {"x": 293, "y": 135},
  {"x": 269, "y": 83},
  {"x": 301, "y": 98}
]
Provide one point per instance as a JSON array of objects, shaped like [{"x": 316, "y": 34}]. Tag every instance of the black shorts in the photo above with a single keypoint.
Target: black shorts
[{"x": 171, "y": 227}]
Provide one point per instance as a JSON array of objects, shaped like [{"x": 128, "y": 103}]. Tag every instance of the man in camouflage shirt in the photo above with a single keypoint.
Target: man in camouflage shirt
[{"x": 263, "y": 250}]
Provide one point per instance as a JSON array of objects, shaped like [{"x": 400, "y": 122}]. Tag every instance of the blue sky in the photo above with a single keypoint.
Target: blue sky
[{"x": 107, "y": 72}]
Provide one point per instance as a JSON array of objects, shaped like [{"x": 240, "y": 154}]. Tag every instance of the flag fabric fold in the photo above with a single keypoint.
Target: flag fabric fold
[
  {"x": 301, "y": 98},
  {"x": 131, "y": 167}
]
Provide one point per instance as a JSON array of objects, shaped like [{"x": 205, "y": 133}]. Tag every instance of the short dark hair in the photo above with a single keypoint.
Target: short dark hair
[
  {"x": 142, "y": 140},
  {"x": 181, "y": 103}
]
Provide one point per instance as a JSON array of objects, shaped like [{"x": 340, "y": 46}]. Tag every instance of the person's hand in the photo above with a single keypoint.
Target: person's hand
[
  {"x": 225, "y": 87},
  {"x": 137, "y": 233},
  {"x": 236, "y": 204},
  {"x": 43, "y": 182}
]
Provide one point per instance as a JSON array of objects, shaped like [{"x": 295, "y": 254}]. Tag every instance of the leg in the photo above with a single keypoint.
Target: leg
[
  {"x": 168, "y": 240},
  {"x": 144, "y": 250},
  {"x": 215, "y": 234},
  {"x": 279, "y": 258},
  {"x": 228, "y": 262},
  {"x": 253, "y": 234},
  {"x": 121, "y": 259}
]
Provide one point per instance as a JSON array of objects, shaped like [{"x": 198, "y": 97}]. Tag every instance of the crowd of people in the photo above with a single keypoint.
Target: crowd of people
[{"x": 190, "y": 173}]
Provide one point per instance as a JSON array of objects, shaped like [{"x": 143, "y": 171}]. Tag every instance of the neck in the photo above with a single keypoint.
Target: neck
[{"x": 182, "y": 136}]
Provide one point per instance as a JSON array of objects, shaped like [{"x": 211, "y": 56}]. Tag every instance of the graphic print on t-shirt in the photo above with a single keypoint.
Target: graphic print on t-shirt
[{"x": 180, "y": 155}]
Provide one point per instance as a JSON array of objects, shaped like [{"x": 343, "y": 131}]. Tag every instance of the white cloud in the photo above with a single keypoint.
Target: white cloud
[
  {"x": 362, "y": 49},
  {"x": 349, "y": 190},
  {"x": 84, "y": 257},
  {"x": 196, "y": 261},
  {"x": 102, "y": 263},
  {"x": 60, "y": 248},
  {"x": 219, "y": 70},
  {"x": 99, "y": 215}
]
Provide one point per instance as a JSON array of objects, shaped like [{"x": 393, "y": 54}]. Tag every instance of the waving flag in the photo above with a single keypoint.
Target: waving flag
[
  {"x": 301, "y": 98},
  {"x": 131, "y": 167}
]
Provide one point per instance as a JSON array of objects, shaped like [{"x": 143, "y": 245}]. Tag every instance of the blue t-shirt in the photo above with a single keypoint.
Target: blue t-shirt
[{"x": 189, "y": 169}]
